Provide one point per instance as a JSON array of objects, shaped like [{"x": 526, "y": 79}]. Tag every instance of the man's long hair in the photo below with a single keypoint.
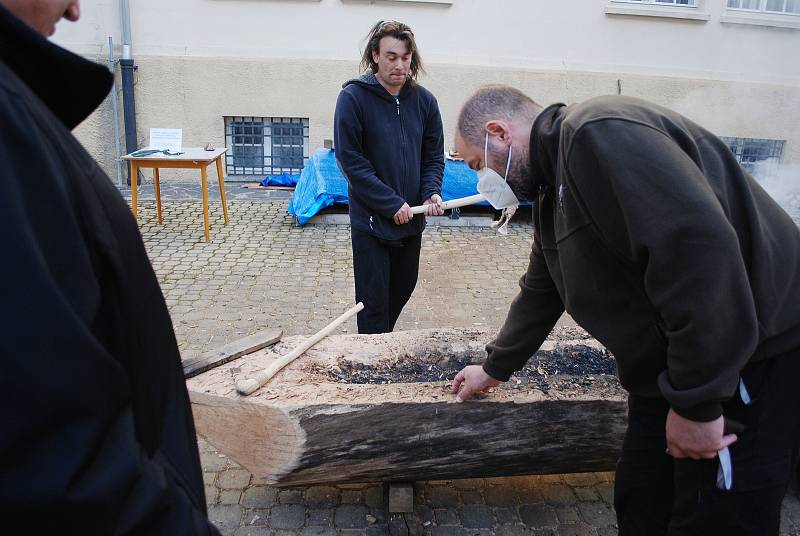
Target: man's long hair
[{"x": 395, "y": 29}]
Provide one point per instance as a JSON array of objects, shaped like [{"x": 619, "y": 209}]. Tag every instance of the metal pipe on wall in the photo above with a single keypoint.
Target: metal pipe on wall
[
  {"x": 127, "y": 68},
  {"x": 115, "y": 111}
]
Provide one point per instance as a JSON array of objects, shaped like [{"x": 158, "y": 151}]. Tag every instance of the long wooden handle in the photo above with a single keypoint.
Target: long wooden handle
[
  {"x": 248, "y": 386},
  {"x": 453, "y": 203}
]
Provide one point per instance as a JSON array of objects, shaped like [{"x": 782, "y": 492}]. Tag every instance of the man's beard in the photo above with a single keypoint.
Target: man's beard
[{"x": 519, "y": 174}]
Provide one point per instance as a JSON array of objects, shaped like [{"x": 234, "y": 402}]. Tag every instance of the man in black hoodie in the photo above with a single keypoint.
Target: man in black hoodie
[
  {"x": 96, "y": 431},
  {"x": 390, "y": 146},
  {"x": 652, "y": 236}
]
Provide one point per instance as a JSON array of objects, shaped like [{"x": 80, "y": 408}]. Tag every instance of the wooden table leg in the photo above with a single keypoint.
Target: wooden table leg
[
  {"x": 204, "y": 178},
  {"x": 157, "y": 184},
  {"x": 221, "y": 180},
  {"x": 134, "y": 192}
]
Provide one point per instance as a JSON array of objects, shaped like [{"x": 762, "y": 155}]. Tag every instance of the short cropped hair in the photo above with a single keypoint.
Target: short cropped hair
[{"x": 493, "y": 102}]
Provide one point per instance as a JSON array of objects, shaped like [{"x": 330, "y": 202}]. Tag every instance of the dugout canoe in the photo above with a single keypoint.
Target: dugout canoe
[{"x": 365, "y": 408}]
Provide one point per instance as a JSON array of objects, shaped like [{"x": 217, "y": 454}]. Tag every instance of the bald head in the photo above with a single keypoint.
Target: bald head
[{"x": 492, "y": 103}]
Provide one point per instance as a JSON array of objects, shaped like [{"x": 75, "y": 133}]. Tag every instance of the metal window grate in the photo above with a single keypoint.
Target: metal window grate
[
  {"x": 759, "y": 157},
  {"x": 266, "y": 145}
]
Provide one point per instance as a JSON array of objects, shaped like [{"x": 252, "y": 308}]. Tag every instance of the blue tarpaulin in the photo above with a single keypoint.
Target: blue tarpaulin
[
  {"x": 321, "y": 184},
  {"x": 284, "y": 179}
]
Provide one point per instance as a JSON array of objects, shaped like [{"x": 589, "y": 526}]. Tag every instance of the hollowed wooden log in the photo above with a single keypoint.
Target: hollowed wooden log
[{"x": 313, "y": 423}]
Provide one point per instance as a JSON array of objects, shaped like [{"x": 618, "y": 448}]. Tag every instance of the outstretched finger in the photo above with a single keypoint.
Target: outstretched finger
[{"x": 457, "y": 381}]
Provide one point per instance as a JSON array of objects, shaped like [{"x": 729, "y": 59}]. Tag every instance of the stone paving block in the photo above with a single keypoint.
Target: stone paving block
[
  {"x": 318, "y": 531},
  {"x": 211, "y": 461},
  {"x": 469, "y": 483},
  {"x": 578, "y": 529},
  {"x": 322, "y": 496},
  {"x": 259, "y": 497},
  {"x": 253, "y": 531},
  {"x": 450, "y": 531},
  {"x": 597, "y": 514},
  {"x": 374, "y": 497},
  {"x": 605, "y": 490},
  {"x": 587, "y": 494},
  {"x": 226, "y": 517},
  {"x": 558, "y": 494},
  {"x": 320, "y": 517},
  {"x": 290, "y": 496},
  {"x": 233, "y": 479},
  {"x": 229, "y": 496},
  {"x": 446, "y": 516},
  {"x": 350, "y": 516},
  {"x": 500, "y": 496},
  {"x": 255, "y": 517},
  {"x": 209, "y": 479},
  {"x": 352, "y": 497},
  {"x": 567, "y": 514},
  {"x": 211, "y": 495},
  {"x": 472, "y": 497},
  {"x": 477, "y": 517},
  {"x": 506, "y": 516},
  {"x": 287, "y": 516},
  {"x": 441, "y": 497},
  {"x": 512, "y": 530},
  {"x": 538, "y": 515}
]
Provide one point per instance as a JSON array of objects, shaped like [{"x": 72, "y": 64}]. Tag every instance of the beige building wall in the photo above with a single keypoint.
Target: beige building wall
[{"x": 200, "y": 60}]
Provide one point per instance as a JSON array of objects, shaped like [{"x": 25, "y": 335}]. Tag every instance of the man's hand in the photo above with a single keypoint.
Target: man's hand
[
  {"x": 403, "y": 215},
  {"x": 470, "y": 380},
  {"x": 696, "y": 440},
  {"x": 433, "y": 205}
]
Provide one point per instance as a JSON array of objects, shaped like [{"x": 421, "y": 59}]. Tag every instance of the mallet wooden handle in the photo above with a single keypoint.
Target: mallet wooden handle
[
  {"x": 453, "y": 203},
  {"x": 248, "y": 386}
]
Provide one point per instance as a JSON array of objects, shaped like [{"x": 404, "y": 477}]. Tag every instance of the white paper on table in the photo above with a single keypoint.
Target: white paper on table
[{"x": 166, "y": 138}]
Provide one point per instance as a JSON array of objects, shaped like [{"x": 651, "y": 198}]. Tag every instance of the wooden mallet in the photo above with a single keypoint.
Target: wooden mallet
[{"x": 248, "y": 386}]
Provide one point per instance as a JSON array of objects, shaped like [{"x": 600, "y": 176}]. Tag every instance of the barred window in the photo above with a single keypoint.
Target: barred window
[
  {"x": 759, "y": 157},
  {"x": 266, "y": 145}
]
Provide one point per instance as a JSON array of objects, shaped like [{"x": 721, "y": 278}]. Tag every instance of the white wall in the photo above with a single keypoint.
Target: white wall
[{"x": 534, "y": 34}]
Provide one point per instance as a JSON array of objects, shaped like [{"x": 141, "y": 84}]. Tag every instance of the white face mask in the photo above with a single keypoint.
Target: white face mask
[{"x": 494, "y": 187}]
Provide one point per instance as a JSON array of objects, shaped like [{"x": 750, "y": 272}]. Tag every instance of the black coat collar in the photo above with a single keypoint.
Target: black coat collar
[
  {"x": 545, "y": 134},
  {"x": 71, "y": 86}
]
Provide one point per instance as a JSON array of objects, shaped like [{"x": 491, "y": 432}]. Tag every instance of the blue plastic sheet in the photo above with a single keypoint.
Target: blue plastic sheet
[
  {"x": 322, "y": 184},
  {"x": 284, "y": 179}
]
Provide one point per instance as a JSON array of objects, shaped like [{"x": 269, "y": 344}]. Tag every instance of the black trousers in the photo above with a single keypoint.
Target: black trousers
[
  {"x": 656, "y": 494},
  {"x": 385, "y": 277}
]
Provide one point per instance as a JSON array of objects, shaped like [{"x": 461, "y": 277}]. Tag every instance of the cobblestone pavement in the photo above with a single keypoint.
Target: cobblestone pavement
[{"x": 261, "y": 271}]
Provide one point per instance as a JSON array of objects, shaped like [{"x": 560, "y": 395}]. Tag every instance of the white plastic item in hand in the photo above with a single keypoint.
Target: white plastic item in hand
[
  {"x": 248, "y": 386},
  {"x": 453, "y": 203}
]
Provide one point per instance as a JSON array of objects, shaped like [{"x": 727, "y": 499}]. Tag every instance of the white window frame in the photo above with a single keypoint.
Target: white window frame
[
  {"x": 760, "y": 17},
  {"x": 652, "y": 8},
  {"x": 762, "y": 8}
]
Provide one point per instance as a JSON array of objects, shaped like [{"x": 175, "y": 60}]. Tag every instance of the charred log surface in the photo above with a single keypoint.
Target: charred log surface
[
  {"x": 580, "y": 362},
  {"x": 372, "y": 443}
]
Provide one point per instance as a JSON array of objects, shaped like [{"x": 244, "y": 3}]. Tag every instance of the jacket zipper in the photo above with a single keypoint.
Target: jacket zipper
[{"x": 403, "y": 152}]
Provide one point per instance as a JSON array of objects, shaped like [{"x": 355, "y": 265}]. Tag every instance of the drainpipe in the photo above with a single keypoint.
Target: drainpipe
[{"x": 127, "y": 68}]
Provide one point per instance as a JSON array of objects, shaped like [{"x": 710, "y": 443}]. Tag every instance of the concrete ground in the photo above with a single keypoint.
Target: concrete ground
[{"x": 262, "y": 270}]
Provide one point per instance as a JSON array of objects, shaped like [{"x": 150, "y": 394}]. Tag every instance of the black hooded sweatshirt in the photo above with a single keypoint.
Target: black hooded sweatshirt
[
  {"x": 391, "y": 151},
  {"x": 661, "y": 246},
  {"x": 96, "y": 431}
]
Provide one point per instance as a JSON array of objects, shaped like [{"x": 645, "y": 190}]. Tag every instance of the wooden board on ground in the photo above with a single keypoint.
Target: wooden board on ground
[
  {"x": 361, "y": 408},
  {"x": 193, "y": 366},
  {"x": 258, "y": 186}
]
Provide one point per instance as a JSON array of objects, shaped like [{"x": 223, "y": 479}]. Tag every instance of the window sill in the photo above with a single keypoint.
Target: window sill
[
  {"x": 436, "y": 2},
  {"x": 679, "y": 13},
  {"x": 762, "y": 19}
]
